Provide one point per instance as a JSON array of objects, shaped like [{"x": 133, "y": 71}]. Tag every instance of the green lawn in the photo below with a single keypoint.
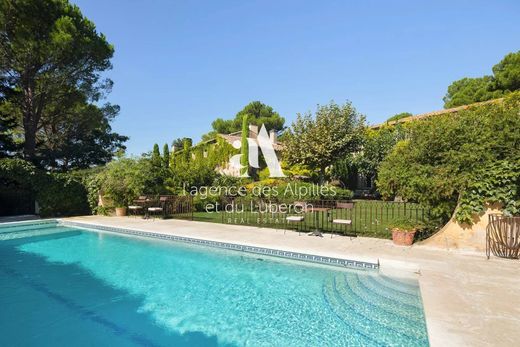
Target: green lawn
[{"x": 369, "y": 218}]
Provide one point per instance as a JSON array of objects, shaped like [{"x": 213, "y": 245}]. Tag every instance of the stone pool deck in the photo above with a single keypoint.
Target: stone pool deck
[{"x": 468, "y": 300}]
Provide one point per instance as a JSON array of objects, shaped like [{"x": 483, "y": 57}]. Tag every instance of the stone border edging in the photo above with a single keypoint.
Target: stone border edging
[{"x": 339, "y": 262}]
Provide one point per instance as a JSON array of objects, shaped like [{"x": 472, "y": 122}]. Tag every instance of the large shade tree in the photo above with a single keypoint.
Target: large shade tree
[
  {"x": 257, "y": 113},
  {"x": 377, "y": 144},
  {"x": 8, "y": 144},
  {"x": 320, "y": 140},
  {"x": 505, "y": 79},
  {"x": 51, "y": 61}
]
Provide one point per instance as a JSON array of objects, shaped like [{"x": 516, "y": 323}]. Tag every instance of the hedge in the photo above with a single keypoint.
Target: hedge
[{"x": 57, "y": 194}]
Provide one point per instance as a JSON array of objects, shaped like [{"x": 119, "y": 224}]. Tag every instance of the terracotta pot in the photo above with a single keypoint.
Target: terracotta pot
[
  {"x": 120, "y": 211},
  {"x": 402, "y": 237}
]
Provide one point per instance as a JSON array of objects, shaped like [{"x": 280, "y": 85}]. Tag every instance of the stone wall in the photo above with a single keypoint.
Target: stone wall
[{"x": 463, "y": 236}]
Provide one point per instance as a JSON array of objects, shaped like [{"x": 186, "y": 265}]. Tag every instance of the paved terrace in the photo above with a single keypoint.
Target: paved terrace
[{"x": 468, "y": 300}]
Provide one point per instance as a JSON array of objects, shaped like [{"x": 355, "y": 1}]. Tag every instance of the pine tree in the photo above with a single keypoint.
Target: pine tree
[
  {"x": 244, "y": 159},
  {"x": 166, "y": 156}
]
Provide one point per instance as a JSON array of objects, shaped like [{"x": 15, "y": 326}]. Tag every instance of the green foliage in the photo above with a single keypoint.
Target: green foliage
[
  {"x": 405, "y": 224},
  {"x": 186, "y": 149},
  {"x": 244, "y": 148},
  {"x": 399, "y": 116},
  {"x": 319, "y": 141},
  {"x": 257, "y": 114},
  {"x": 470, "y": 90},
  {"x": 194, "y": 173},
  {"x": 57, "y": 194},
  {"x": 124, "y": 179},
  {"x": 506, "y": 79},
  {"x": 51, "y": 65},
  {"x": 8, "y": 124},
  {"x": 377, "y": 144},
  {"x": 507, "y": 72},
  {"x": 178, "y": 143},
  {"x": 284, "y": 191},
  {"x": 199, "y": 169},
  {"x": 344, "y": 171},
  {"x": 61, "y": 195},
  {"x": 85, "y": 138},
  {"x": 296, "y": 171},
  {"x": 499, "y": 182},
  {"x": 91, "y": 180},
  {"x": 156, "y": 156},
  {"x": 166, "y": 156},
  {"x": 444, "y": 159},
  {"x": 209, "y": 136},
  {"x": 227, "y": 181}
]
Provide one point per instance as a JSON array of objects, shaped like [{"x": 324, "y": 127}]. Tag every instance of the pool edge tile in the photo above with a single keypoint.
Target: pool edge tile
[{"x": 312, "y": 258}]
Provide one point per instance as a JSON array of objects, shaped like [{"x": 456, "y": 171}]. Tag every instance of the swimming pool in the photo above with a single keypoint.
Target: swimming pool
[{"x": 62, "y": 285}]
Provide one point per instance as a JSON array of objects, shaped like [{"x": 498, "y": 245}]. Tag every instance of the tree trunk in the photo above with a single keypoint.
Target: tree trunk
[
  {"x": 31, "y": 118},
  {"x": 29, "y": 146},
  {"x": 322, "y": 175}
]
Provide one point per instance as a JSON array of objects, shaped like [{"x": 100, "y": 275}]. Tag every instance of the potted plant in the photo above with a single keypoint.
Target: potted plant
[
  {"x": 119, "y": 195},
  {"x": 403, "y": 231},
  {"x": 123, "y": 180}
]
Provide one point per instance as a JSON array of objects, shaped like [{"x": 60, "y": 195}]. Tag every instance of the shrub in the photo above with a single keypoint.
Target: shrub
[
  {"x": 281, "y": 190},
  {"x": 124, "y": 179},
  {"x": 498, "y": 182},
  {"x": 469, "y": 158},
  {"x": 60, "y": 194},
  {"x": 405, "y": 224},
  {"x": 57, "y": 194}
]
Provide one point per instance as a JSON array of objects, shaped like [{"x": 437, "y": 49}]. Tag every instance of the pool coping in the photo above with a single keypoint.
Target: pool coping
[
  {"x": 31, "y": 221},
  {"x": 311, "y": 258}
]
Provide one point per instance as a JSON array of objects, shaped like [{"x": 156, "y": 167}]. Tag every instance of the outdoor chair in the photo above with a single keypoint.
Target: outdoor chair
[
  {"x": 295, "y": 219},
  {"x": 155, "y": 210},
  {"x": 342, "y": 208},
  {"x": 140, "y": 204},
  {"x": 134, "y": 210},
  {"x": 503, "y": 236}
]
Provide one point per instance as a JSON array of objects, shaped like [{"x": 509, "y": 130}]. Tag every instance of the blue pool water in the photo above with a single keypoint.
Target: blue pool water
[{"x": 61, "y": 286}]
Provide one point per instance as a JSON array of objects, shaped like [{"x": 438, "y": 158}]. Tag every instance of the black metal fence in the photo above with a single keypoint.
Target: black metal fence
[
  {"x": 358, "y": 217},
  {"x": 367, "y": 217},
  {"x": 172, "y": 206},
  {"x": 15, "y": 201}
]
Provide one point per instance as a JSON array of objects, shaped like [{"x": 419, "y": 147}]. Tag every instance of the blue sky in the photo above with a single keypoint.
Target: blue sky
[{"x": 178, "y": 65}]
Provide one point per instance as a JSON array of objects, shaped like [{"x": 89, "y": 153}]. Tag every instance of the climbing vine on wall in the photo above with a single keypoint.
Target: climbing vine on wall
[{"x": 496, "y": 183}]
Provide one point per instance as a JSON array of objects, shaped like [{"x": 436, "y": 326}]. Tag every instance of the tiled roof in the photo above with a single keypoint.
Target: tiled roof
[{"x": 436, "y": 113}]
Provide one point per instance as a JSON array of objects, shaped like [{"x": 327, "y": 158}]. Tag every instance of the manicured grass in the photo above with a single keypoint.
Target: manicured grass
[{"x": 369, "y": 218}]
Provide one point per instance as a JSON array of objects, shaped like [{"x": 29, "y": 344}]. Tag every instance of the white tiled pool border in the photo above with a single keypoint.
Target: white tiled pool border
[{"x": 340, "y": 262}]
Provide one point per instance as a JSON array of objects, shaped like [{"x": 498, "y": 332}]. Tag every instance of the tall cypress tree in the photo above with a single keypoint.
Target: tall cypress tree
[
  {"x": 156, "y": 156},
  {"x": 166, "y": 156},
  {"x": 244, "y": 159}
]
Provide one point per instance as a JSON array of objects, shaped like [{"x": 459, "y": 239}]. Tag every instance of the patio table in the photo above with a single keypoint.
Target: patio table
[
  {"x": 316, "y": 211},
  {"x": 143, "y": 203}
]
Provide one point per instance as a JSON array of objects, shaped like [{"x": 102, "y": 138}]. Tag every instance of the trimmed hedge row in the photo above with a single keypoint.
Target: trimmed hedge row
[{"x": 57, "y": 194}]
